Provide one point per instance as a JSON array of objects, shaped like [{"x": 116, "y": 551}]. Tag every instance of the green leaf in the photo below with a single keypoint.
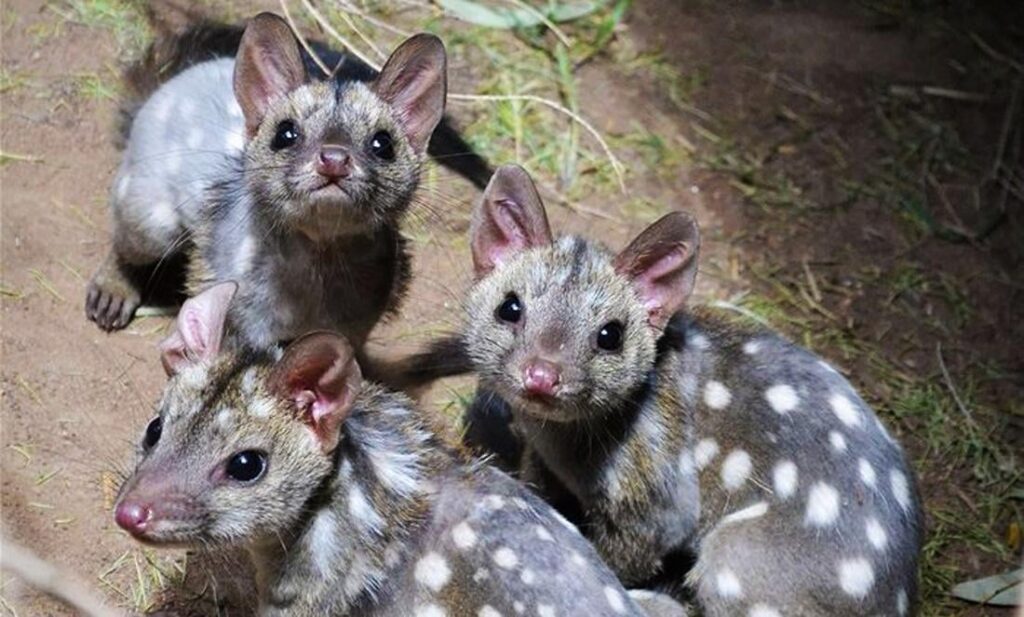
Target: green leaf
[
  {"x": 998, "y": 590},
  {"x": 508, "y": 18}
]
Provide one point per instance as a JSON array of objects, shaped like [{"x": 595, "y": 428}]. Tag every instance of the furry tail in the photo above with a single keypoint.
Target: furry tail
[
  {"x": 444, "y": 357},
  {"x": 184, "y": 38}
]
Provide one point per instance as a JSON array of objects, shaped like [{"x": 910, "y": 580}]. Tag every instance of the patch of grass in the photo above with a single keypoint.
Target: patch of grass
[
  {"x": 123, "y": 18},
  {"x": 11, "y": 82},
  {"x": 95, "y": 87},
  {"x": 140, "y": 577}
]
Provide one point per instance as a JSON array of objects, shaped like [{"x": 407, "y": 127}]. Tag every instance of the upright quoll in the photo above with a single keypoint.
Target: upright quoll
[
  {"x": 678, "y": 435},
  {"x": 346, "y": 498},
  {"x": 291, "y": 185}
]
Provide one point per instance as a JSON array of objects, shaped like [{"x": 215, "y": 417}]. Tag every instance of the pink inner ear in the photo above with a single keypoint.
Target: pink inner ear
[
  {"x": 511, "y": 237},
  {"x": 657, "y": 290}
]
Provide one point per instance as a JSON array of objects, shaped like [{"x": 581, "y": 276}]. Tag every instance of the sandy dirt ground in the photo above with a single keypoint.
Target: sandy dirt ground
[{"x": 793, "y": 84}]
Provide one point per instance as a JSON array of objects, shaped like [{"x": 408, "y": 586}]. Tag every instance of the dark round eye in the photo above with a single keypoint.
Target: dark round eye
[
  {"x": 609, "y": 337},
  {"x": 287, "y": 134},
  {"x": 247, "y": 466},
  {"x": 511, "y": 309},
  {"x": 153, "y": 431},
  {"x": 382, "y": 146}
]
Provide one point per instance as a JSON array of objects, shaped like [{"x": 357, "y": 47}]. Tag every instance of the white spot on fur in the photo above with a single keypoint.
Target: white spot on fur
[
  {"x": 463, "y": 535},
  {"x": 432, "y": 571},
  {"x": 867, "y": 472},
  {"x": 716, "y": 395},
  {"x": 822, "y": 505},
  {"x": 705, "y": 451},
  {"x": 763, "y": 610},
  {"x": 751, "y": 347},
  {"x": 362, "y": 511},
  {"x": 735, "y": 469},
  {"x": 261, "y": 407},
  {"x": 487, "y": 611},
  {"x": 837, "y": 440},
  {"x": 900, "y": 488},
  {"x": 235, "y": 142},
  {"x": 698, "y": 341},
  {"x": 544, "y": 534},
  {"x": 784, "y": 479},
  {"x": 845, "y": 410},
  {"x": 782, "y": 398},
  {"x": 615, "y": 599},
  {"x": 505, "y": 558},
  {"x": 397, "y": 470},
  {"x": 728, "y": 584},
  {"x": 750, "y": 512},
  {"x": 528, "y": 577},
  {"x": 224, "y": 418},
  {"x": 430, "y": 610},
  {"x": 482, "y": 574},
  {"x": 163, "y": 215},
  {"x": 323, "y": 541},
  {"x": 122, "y": 186},
  {"x": 686, "y": 464},
  {"x": 494, "y": 502},
  {"x": 244, "y": 255},
  {"x": 902, "y": 602},
  {"x": 856, "y": 577},
  {"x": 545, "y": 610},
  {"x": 578, "y": 559},
  {"x": 876, "y": 534},
  {"x": 519, "y": 607}
]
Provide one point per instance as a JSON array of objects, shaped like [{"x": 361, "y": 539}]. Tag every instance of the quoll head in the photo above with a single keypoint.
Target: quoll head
[
  {"x": 241, "y": 441},
  {"x": 563, "y": 328},
  {"x": 335, "y": 157}
]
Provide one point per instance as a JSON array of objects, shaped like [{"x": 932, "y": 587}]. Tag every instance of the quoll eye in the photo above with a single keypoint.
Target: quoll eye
[
  {"x": 247, "y": 466},
  {"x": 153, "y": 431},
  {"x": 287, "y": 134},
  {"x": 511, "y": 309},
  {"x": 609, "y": 337},
  {"x": 382, "y": 146}
]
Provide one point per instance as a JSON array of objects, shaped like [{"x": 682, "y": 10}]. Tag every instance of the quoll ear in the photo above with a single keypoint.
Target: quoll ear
[
  {"x": 414, "y": 81},
  {"x": 320, "y": 375},
  {"x": 510, "y": 218},
  {"x": 199, "y": 329},
  {"x": 662, "y": 264},
  {"x": 267, "y": 67}
]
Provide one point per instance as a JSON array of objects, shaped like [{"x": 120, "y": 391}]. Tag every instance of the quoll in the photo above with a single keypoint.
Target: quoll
[
  {"x": 292, "y": 185},
  {"x": 346, "y": 498},
  {"x": 677, "y": 435}
]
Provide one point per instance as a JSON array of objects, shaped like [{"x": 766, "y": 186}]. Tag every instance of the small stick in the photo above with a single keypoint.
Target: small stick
[
  {"x": 302, "y": 39},
  {"x": 949, "y": 384},
  {"x": 48, "y": 579},
  {"x": 326, "y": 25}
]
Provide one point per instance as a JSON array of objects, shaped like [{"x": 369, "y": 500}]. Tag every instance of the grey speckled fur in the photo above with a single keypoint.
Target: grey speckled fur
[{"x": 698, "y": 437}]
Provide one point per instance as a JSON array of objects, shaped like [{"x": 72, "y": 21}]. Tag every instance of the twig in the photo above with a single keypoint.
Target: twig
[
  {"x": 995, "y": 55},
  {"x": 956, "y": 95},
  {"x": 326, "y": 25},
  {"x": 48, "y": 579},
  {"x": 352, "y": 24},
  {"x": 815, "y": 292},
  {"x": 544, "y": 19},
  {"x": 949, "y": 384},
  {"x": 1004, "y": 131},
  {"x": 302, "y": 39},
  {"x": 348, "y": 7},
  {"x": 616, "y": 164},
  {"x": 723, "y": 304}
]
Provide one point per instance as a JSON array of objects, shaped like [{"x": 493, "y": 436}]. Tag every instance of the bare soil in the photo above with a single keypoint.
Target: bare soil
[{"x": 801, "y": 89}]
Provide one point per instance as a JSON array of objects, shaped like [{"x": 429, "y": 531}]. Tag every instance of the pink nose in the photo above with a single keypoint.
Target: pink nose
[
  {"x": 334, "y": 162},
  {"x": 132, "y": 517},
  {"x": 541, "y": 377}
]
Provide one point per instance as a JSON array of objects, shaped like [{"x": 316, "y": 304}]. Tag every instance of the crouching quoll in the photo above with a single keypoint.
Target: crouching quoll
[
  {"x": 346, "y": 499},
  {"x": 680, "y": 435}
]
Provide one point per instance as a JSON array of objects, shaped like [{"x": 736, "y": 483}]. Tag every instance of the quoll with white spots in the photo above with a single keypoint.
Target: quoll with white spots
[
  {"x": 716, "y": 461},
  {"x": 261, "y": 170},
  {"x": 346, "y": 498}
]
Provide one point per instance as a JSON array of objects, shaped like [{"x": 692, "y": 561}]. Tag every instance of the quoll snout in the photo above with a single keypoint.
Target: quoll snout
[
  {"x": 541, "y": 377},
  {"x": 133, "y": 517},
  {"x": 334, "y": 162}
]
